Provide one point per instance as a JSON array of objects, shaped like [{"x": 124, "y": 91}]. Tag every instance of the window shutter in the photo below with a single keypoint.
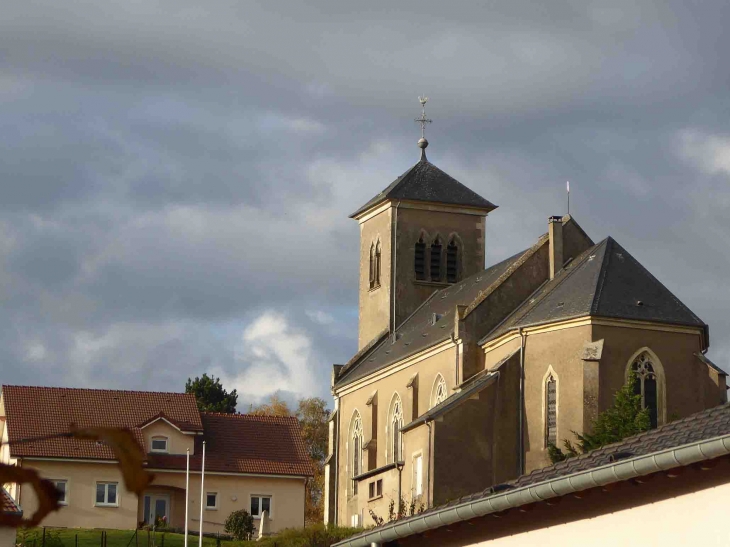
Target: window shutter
[
  {"x": 452, "y": 252},
  {"x": 436, "y": 261},
  {"x": 420, "y": 260}
]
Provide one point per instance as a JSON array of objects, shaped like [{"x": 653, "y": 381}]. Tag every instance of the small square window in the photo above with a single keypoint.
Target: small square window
[
  {"x": 159, "y": 444},
  {"x": 379, "y": 487},
  {"x": 106, "y": 494},
  {"x": 259, "y": 504},
  {"x": 62, "y": 488},
  {"x": 211, "y": 500}
]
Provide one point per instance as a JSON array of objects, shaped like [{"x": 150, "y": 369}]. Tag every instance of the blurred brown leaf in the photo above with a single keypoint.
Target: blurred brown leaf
[
  {"x": 45, "y": 490},
  {"x": 127, "y": 451}
]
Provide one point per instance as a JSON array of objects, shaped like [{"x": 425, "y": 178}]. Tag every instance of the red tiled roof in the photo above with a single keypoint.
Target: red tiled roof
[
  {"x": 243, "y": 443},
  {"x": 7, "y": 505},
  {"x": 42, "y": 411},
  {"x": 235, "y": 443}
]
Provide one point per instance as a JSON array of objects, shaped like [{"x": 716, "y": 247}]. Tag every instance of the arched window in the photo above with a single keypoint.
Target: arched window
[
  {"x": 436, "y": 260},
  {"x": 645, "y": 384},
  {"x": 356, "y": 450},
  {"x": 452, "y": 262},
  {"x": 372, "y": 265},
  {"x": 440, "y": 392},
  {"x": 420, "y": 259},
  {"x": 551, "y": 410},
  {"x": 396, "y": 422},
  {"x": 377, "y": 264}
]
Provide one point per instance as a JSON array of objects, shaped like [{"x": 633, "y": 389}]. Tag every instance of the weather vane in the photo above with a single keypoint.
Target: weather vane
[{"x": 423, "y": 120}]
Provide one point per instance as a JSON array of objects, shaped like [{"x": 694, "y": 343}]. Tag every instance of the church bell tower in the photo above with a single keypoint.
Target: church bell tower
[{"x": 422, "y": 233}]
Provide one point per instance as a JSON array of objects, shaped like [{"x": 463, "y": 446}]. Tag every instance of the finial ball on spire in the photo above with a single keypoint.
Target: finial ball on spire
[{"x": 422, "y": 143}]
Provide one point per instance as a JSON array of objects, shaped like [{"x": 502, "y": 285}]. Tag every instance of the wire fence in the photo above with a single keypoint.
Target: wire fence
[{"x": 69, "y": 537}]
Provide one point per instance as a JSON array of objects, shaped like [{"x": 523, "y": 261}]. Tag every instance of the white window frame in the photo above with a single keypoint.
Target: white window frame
[
  {"x": 436, "y": 398},
  {"x": 260, "y": 497},
  {"x": 65, "y": 496},
  {"x": 211, "y": 507},
  {"x": 106, "y": 494},
  {"x": 165, "y": 450}
]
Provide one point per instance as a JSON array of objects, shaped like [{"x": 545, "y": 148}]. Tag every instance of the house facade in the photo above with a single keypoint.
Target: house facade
[
  {"x": 465, "y": 375},
  {"x": 256, "y": 463}
]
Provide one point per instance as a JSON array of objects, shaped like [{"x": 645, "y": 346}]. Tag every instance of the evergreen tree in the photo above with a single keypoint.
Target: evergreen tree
[
  {"x": 211, "y": 396},
  {"x": 624, "y": 419}
]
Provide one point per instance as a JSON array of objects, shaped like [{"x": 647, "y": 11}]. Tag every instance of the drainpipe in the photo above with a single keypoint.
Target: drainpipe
[
  {"x": 395, "y": 260},
  {"x": 428, "y": 472},
  {"x": 336, "y": 447},
  {"x": 522, "y": 401}
]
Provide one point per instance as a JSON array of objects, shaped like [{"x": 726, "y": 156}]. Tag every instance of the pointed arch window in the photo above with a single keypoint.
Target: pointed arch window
[
  {"x": 420, "y": 259},
  {"x": 375, "y": 265},
  {"x": 452, "y": 262},
  {"x": 356, "y": 451},
  {"x": 645, "y": 384},
  {"x": 551, "y": 410},
  {"x": 435, "y": 262},
  {"x": 396, "y": 422},
  {"x": 440, "y": 392}
]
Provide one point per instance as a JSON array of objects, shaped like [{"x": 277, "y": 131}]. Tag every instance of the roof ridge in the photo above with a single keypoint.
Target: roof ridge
[
  {"x": 574, "y": 266},
  {"x": 4, "y": 386},
  {"x": 602, "y": 275}
]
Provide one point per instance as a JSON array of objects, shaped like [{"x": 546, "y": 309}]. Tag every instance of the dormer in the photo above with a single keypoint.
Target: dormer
[{"x": 162, "y": 435}]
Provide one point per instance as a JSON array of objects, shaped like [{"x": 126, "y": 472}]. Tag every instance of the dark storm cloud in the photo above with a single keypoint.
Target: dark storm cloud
[{"x": 176, "y": 176}]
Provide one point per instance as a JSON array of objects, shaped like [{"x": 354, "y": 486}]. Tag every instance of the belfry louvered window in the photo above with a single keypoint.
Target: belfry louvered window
[
  {"x": 436, "y": 260},
  {"x": 452, "y": 270},
  {"x": 645, "y": 385},
  {"x": 551, "y": 412},
  {"x": 420, "y": 259},
  {"x": 375, "y": 265}
]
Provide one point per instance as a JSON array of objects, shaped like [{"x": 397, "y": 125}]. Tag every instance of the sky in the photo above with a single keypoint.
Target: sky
[{"x": 177, "y": 175}]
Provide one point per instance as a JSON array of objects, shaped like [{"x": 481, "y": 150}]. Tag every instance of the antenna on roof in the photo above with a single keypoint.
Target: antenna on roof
[
  {"x": 567, "y": 187},
  {"x": 423, "y": 120}
]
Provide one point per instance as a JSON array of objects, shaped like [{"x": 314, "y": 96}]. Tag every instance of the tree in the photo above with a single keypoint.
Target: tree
[
  {"x": 239, "y": 524},
  {"x": 624, "y": 419},
  {"x": 313, "y": 417},
  {"x": 211, "y": 396}
]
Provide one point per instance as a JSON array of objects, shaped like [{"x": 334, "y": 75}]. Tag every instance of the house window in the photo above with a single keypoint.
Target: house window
[
  {"x": 645, "y": 384},
  {"x": 106, "y": 494},
  {"x": 440, "y": 391},
  {"x": 375, "y": 489},
  {"x": 62, "y": 489},
  {"x": 436, "y": 260},
  {"x": 356, "y": 455},
  {"x": 396, "y": 422},
  {"x": 452, "y": 263},
  {"x": 211, "y": 500},
  {"x": 551, "y": 411},
  {"x": 159, "y": 444},
  {"x": 420, "y": 259},
  {"x": 259, "y": 504},
  {"x": 418, "y": 475}
]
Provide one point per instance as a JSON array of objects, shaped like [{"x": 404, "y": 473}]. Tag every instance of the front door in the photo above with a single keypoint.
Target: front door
[{"x": 157, "y": 509}]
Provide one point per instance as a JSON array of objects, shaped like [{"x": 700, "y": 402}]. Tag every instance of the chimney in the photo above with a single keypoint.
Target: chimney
[{"x": 555, "y": 234}]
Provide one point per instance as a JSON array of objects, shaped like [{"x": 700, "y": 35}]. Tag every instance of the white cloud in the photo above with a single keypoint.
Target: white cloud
[
  {"x": 710, "y": 153},
  {"x": 276, "y": 356},
  {"x": 321, "y": 317}
]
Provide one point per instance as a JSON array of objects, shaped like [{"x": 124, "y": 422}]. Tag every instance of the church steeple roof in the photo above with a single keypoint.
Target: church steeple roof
[{"x": 426, "y": 182}]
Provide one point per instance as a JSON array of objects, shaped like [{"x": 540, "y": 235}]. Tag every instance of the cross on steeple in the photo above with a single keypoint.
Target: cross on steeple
[{"x": 423, "y": 120}]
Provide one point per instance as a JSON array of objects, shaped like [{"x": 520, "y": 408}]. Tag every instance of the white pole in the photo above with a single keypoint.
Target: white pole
[
  {"x": 202, "y": 497},
  {"x": 187, "y": 494}
]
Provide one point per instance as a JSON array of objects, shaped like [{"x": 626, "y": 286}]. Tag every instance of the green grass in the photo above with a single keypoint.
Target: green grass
[{"x": 312, "y": 536}]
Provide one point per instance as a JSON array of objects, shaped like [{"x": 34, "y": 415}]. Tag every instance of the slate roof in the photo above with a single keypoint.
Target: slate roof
[
  {"x": 604, "y": 281},
  {"x": 244, "y": 443},
  {"x": 417, "y": 333},
  {"x": 426, "y": 182},
  {"x": 235, "y": 443},
  {"x": 7, "y": 504}
]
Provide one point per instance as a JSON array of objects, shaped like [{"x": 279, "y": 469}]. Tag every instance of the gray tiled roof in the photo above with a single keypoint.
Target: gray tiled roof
[
  {"x": 426, "y": 182},
  {"x": 417, "y": 333},
  {"x": 604, "y": 281}
]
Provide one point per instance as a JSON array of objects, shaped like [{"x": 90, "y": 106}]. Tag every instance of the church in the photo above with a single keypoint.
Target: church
[{"x": 465, "y": 375}]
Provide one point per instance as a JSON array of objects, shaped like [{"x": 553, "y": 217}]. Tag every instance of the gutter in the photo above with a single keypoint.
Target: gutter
[{"x": 553, "y": 488}]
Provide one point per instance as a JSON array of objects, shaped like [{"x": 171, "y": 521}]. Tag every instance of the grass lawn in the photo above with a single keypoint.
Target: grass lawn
[
  {"x": 312, "y": 536},
  {"x": 114, "y": 538}
]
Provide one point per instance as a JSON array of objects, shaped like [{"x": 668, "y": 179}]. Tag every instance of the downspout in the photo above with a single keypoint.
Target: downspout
[
  {"x": 337, "y": 461},
  {"x": 428, "y": 472},
  {"x": 395, "y": 261},
  {"x": 522, "y": 401}
]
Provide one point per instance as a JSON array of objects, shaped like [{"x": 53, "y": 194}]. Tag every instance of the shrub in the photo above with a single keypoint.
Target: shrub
[{"x": 239, "y": 524}]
